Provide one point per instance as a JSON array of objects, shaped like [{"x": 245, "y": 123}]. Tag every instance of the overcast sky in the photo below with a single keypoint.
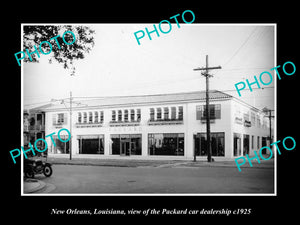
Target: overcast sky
[{"x": 117, "y": 65}]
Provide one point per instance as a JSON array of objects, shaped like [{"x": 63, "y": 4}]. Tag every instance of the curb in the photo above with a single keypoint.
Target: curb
[
  {"x": 30, "y": 188},
  {"x": 174, "y": 164}
]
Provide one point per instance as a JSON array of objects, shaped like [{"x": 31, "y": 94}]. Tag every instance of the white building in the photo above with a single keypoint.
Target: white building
[{"x": 158, "y": 126}]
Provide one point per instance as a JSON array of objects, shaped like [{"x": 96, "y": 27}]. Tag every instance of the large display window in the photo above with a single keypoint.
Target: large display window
[
  {"x": 166, "y": 144},
  {"x": 91, "y": 144},
  {"x": 237, "y": 140},
  {"x": 126, "y": 144},
  {"x": 60, "y": 147},
  {"x": 217, "y": 144}
]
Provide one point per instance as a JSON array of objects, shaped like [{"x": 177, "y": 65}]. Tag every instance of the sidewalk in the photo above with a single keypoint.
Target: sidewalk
[
  {"x": 33, "y": 185},
  {"x": 155, "y": 163}
]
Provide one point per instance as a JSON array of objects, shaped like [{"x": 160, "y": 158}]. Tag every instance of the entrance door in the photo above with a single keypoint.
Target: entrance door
[
  {"x": 125, "y": 147},
  {"x": 246, "y": 144},
  {"x": 264, "y": 143}
]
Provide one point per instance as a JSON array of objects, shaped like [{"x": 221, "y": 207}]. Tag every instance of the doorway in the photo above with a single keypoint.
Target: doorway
[
  {"x": 125, "y": 146},
  {"x": 264, "y": 143},
  {"x": 246, "y": 144}
]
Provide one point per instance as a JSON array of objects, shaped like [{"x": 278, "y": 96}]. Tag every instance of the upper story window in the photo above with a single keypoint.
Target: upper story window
[
  {"x": 258, "y": 122},
  {"x": 246, "y": 116},
  {"x": 101, "y": 116},
  {"x": 158, "y": 113},
  {"x": 138, "y": 114},
  {"x": 90, "y": 117},
  {"x": 166, "y": 113},
  {"x": 96, "y": 118},
  {"x": 84, "y": 117},
  {"x": 253, "y": 118},
  {"x": 113, "y": 115},
  {"x": 119, "y": 115},
  {"x": 214, "y": 111},
  {"x": 132, "y": 114},
  {"x": 180, "y": 113},
  {"x": 152, "y": 114},
  {"x": 59, "y": 118},
  {"x": 126, "y": 115},
  {"x": 173, "y": 113},
  {"x": 79, "y": 117}
]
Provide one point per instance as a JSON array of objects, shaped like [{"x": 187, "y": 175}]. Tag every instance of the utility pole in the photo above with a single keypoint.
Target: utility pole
[
  {"x": 70, "y": 143},
  {"x": 70, "y": 101},
  {"x": 207, "y": 76},
  {"x": 270, "y": 121}
]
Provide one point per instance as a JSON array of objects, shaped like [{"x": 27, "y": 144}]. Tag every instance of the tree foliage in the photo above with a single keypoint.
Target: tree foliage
[{"x": 66, "y": 54}]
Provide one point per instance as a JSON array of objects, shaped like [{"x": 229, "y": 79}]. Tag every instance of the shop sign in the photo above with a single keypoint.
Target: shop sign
[
  {"x": 238, "y": 120},
  {"x": 247, "y": 123}
]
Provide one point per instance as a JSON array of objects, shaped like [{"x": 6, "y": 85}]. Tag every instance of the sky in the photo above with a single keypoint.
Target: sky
[{"x": 118, "y": 66}]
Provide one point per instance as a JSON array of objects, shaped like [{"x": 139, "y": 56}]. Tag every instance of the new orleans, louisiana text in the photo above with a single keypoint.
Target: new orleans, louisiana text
[
  {"x": 289, "y": 148},
  {"x": 164, "y": 31},
  {"x": 266, "y": 78},
  {"x": 40, "y": 47},
  {"x": 18, "y": 152}
]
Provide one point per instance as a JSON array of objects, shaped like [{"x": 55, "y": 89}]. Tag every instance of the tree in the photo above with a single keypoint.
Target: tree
[{"x": 61, "y": 52}]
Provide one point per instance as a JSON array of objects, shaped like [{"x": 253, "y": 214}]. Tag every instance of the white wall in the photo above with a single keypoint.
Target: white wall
[
  {"x": 254, "y": 130},
  {"x": 189, "y": 127},
  {"x": 220, "y": 125}
]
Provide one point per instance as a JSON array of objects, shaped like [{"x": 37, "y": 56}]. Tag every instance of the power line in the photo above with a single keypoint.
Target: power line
[
  {"x": 206, "y": 69},
  {"x": 243, "y": 44}
]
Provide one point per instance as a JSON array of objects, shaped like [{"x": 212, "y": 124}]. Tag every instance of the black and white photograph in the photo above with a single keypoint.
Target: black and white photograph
[
  {"x": 149, "y": 111},
  {"x": 135, "y": 109}
]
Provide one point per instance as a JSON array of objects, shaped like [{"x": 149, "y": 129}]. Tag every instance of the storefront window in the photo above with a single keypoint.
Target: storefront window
[
  {"x": 91, "y": 144},
  {"x": 166, "y": 144},
  {"x": 60, "y": 147},
  {"x": 246, "y": 142},
  {"x": 217, "y": 144},
  {"x": 115, "y": 144},
  {"x": 126, "y": 144},
  {"x": 135, "y": 144},
  {"x": 237, "y": 144}
]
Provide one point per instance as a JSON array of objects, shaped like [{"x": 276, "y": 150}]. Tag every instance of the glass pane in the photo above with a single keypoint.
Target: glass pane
[
  {"x": 115, "y": 145},
  {"x": 165, "y": 144}
]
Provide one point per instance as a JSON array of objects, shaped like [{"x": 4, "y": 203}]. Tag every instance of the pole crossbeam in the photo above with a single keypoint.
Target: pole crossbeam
[{"x": 207, "y": 75}]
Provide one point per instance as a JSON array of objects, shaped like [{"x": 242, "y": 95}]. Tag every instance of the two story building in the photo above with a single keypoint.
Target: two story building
[
  {"x": 34, "y": 125},
  {"x": 165, "y": 126}
]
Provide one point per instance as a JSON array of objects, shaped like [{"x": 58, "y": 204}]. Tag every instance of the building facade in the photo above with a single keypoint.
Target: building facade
[
  {"x": 33, "y": 127},
  {"x": 165, "y": 126}
]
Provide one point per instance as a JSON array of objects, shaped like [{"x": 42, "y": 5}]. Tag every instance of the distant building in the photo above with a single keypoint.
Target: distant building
[
  {"x": 34, "y": 125},
  {"x": 165, "y": 126}
]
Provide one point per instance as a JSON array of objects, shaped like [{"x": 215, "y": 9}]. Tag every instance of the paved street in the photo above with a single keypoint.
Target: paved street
[{"x": 148, "y": 179}]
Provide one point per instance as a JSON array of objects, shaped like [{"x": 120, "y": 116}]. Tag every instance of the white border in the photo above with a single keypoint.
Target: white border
[{"x": 158, "y": 194}]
